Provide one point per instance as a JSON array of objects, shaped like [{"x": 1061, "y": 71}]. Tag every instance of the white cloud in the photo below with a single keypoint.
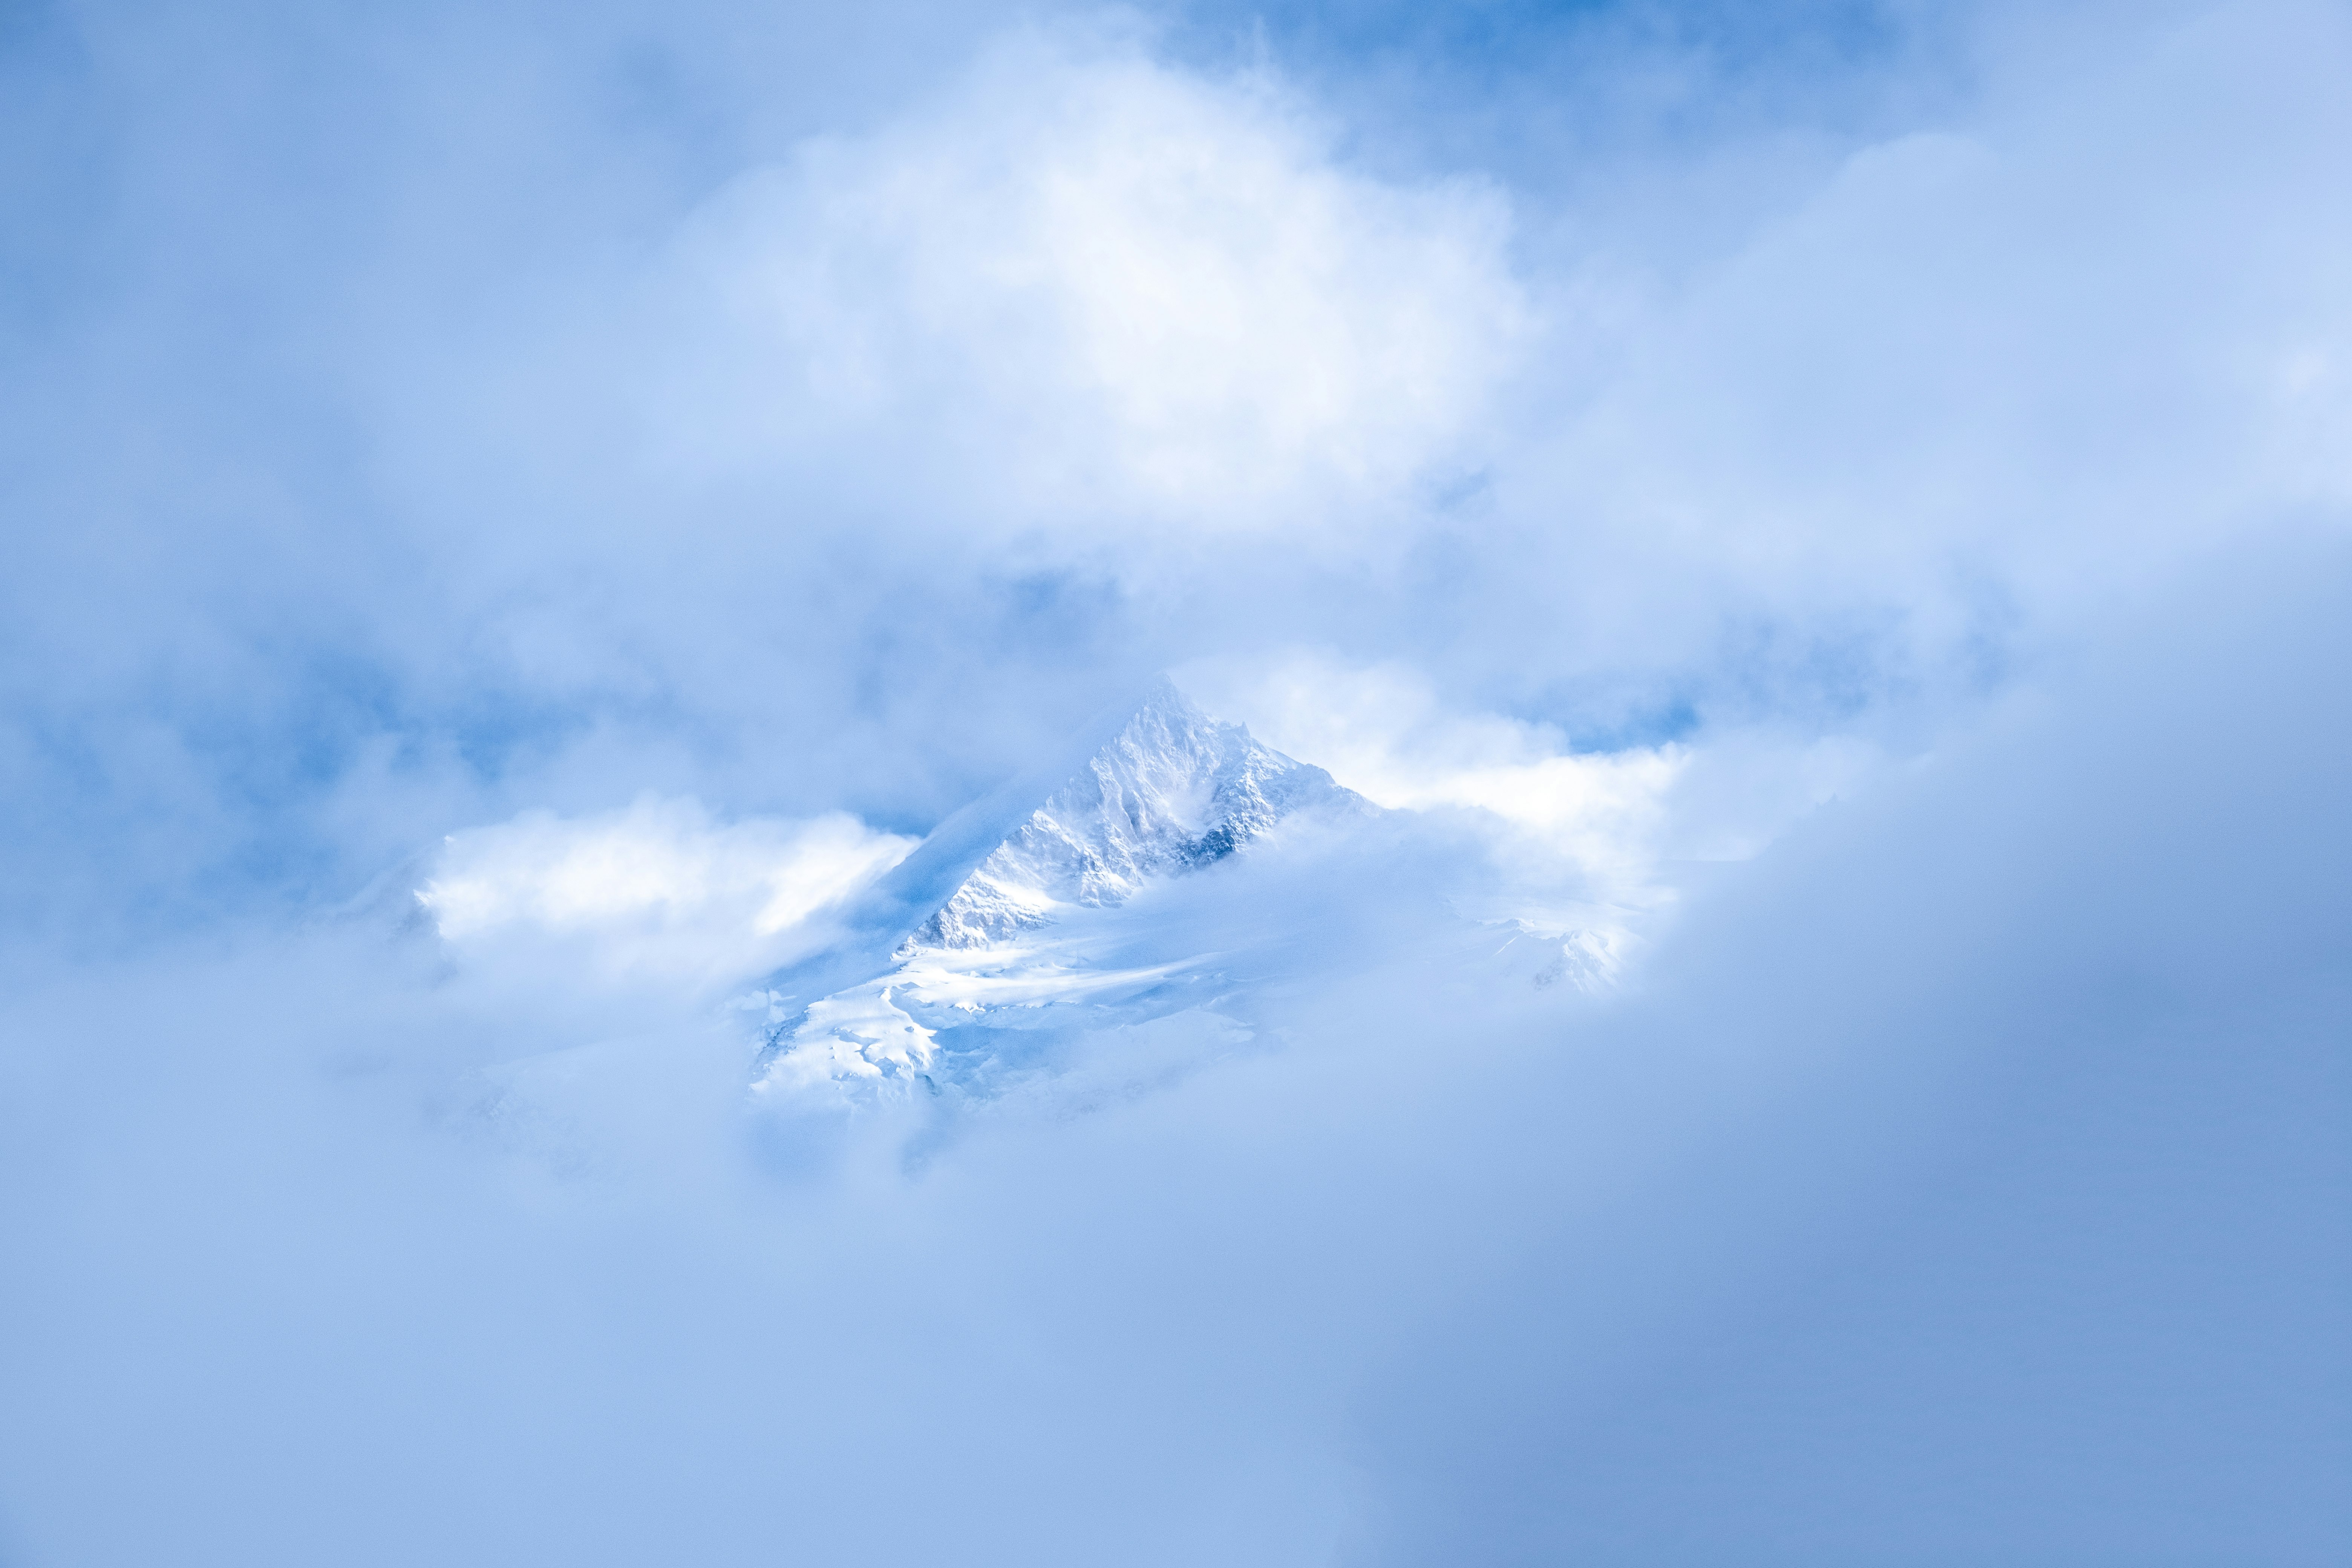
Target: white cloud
[
  {"x": 1950, "y": 1150},
  {"x": 1601, "y": 829},
  {"x": 657, "y": 890},
  {"x": 1965, "y": 1179},
  {"x": 2067, "y": 342},
  {"x": 1116, "y": 284},
  {"x": 1382, "y": 730}
]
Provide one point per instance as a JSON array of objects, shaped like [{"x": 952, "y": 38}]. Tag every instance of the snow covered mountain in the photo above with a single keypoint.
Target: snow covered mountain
[
  {"x": 1174, "y": 791},
  {"x": 1115, "y": 900},
  {"x": 1017, "y": 936}
]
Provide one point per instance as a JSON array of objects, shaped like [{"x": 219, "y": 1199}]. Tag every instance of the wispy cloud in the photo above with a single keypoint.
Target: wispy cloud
[
  {"x": 658, "y": 889},
  {"x": 1883, "y": 477}
]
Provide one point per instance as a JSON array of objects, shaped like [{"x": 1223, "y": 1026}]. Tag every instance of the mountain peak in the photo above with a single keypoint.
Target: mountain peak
[
  {"x": 1169, "y": 791},
  {"x": 1174, "y": 790}
]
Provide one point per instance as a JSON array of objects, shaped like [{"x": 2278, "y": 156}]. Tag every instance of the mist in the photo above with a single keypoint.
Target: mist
[{"x": 515, "y": 519}]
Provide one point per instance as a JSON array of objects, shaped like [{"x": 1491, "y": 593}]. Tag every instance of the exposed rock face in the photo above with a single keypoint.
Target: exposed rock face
[{"x": 1175, "y": 790}]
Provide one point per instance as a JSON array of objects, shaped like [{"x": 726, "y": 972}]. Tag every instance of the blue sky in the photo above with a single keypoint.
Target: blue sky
[{"x": 1859, "y": 490}]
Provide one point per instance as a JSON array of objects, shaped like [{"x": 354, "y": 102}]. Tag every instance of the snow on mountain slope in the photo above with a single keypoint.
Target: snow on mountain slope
[
  {"x": 1174, "y": 791},
  {"x": 1129, "y": 900}
]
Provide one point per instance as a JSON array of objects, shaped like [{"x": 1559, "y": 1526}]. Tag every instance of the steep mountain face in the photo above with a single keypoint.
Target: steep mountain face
[
  {"x": 1031, "y": 944},
  {"x": 1174, "y": 791},
  {"x": 1024, "y": 941}
]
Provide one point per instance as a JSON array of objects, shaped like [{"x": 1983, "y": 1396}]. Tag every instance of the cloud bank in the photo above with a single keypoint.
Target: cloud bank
[
  {"x": 657, "y": 887},
  {"x": 1860, "y": 498},
  {"x": 1971, "y": 1161},
  {"x": 1123, "y": 293}
]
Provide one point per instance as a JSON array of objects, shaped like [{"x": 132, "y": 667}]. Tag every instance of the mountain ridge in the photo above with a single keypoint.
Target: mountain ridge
[{"x": 1172, "y": 792}]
